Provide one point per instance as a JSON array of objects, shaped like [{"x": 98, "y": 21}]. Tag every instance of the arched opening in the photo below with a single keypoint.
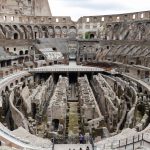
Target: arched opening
[
  {"x": 16, "y": 36},
  {"x": 72, "y": 32},
  {"x": 16, "y": 82},
  {"x": 26, "y": 52},
  {"x": 147, "y": 74},
  {"x": 145, "y": 93},
  {"x": 2, "y": 29},
  {"x": 51, "y": 31},
  {"x": 30, "y": 32},
  {"x": 140, "y": 89},
  {"x": 92, "y": 36},
  {"x": 55, "y": 124},
  {"x": 45, "y": 32},
  {"x": 37, "y": 32},
  {"x": 7, "y": 89},
  {"x": 24, "y": 84},
  {"x": 35, "y": 35},
  {"x": 21, "y": 53},
  {"x": 54, "y": 49},
  {"x": 24, "y": 31},
  {"x": 57, "y": 32},
  {"x": 11, "y": 85},
  {"x": 138, "y": 72},
  {"x": 64, "y": 31},
  {"x": 22, "y": 79},
  {"x": 33, "y": 110}
]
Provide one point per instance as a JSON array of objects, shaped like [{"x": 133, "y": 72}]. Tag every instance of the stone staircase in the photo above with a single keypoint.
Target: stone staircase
[{"x": 72, "y": 146}]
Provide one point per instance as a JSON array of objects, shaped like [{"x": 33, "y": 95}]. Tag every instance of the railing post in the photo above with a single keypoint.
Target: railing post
[
  {"x": 126, "y": 143},
  {"x": 92, "y": 143},
  {"x": 142, "y": 139},
  {"x": 133, "y": 142},
  {"x": 53, "y": 141}
]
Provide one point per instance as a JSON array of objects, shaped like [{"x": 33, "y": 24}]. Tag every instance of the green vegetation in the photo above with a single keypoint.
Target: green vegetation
[
  {"x": 87, "y": 35},
  {"x": 73, "y": 119}
]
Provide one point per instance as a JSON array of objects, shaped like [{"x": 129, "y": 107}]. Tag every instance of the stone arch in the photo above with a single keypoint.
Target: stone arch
[
  {"x": 16, "y": 36},
  {"x": 30, "y": 32},
  {"x": 147, "y": 27},
  {"x": 7, "y": 89},
  {"x": 26, "y": 52},
  {"x": 2, "y": 32},
  {"x": 9, "y": 31},
  {"x": 8, "y": 27},
  {"x": 19, "y": 32},
  {"x": 55, "y": 123},
  {"x": 16, "y": 82},
  {"x": 51, "y": 31},
  {"x": 58, "y": 32},
  {"x": 115, "y": 31},
  {"x": 45, "y": 32},
  {"x": 24, "y": 32},
  {"x": 72, "y": 32},
  {"x": 64, "y": 31},
  {"x": 73, "y": 29},
  {"x": 21, "y": 52},
  {"x": 141, "y": 29},
  {"x": 11, "y": 85},
  {"x": 109, "y": 32},
  {"x": 92, "y": 35},
  {"x": 36, "y": 32},
  {"x": 116, "y": 27},
  {"x": 22, "y": 79}
]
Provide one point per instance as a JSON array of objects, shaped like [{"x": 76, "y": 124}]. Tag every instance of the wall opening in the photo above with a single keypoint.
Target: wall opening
[
  {"x": 55, "y": 124},
  {"x": 92, "y": 36},
  {"x": 16, "y": 36}
]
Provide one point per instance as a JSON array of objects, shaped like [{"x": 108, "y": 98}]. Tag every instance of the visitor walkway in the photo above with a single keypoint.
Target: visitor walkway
[{"x": 72, "y": 67}]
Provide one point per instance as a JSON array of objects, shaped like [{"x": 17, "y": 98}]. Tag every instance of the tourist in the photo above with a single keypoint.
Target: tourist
[
  {"x": 81, "y": 138},
  {"x": 87, "y": 148}
]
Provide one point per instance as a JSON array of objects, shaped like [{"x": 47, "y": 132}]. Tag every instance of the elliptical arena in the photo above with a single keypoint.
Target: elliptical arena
[{"x": 60, "y": 79}]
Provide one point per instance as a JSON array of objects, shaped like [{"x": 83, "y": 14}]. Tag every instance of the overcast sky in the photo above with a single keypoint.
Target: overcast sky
[{"x": 78, "y": 8}]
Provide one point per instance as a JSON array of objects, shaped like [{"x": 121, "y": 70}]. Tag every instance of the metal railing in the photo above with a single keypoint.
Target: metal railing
[
  {"x": 92, "y": 143},
  {"x": 53, "y": 143},
  {"x": 132, "y": 141}
]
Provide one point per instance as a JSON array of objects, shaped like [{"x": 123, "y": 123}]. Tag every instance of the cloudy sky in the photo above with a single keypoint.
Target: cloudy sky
[{"x": 78, "y": 8}]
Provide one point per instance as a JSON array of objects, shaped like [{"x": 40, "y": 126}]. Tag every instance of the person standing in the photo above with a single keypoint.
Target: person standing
[{"x": 81, "y": 138}]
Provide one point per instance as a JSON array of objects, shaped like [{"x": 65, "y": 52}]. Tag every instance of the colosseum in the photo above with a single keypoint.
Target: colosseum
[{"x": 73, "y": 85}]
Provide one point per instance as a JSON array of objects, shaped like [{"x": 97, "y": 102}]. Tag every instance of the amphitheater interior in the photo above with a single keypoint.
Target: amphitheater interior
[{"x": 67, "y": 85}]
